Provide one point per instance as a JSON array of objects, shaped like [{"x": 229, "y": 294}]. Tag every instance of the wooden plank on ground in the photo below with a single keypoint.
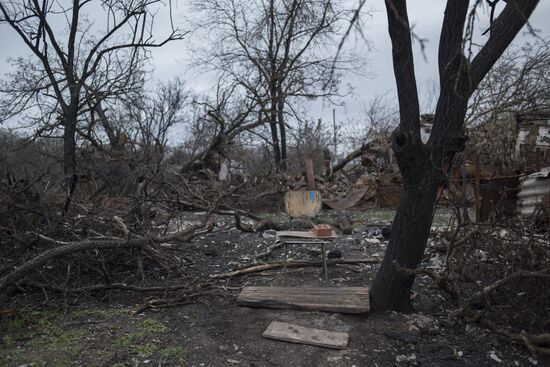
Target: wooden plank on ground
[
  {"x": 303, "y": 335},
  {"x": 281, "y": 235},
  {"x": 343, "y": 300}
]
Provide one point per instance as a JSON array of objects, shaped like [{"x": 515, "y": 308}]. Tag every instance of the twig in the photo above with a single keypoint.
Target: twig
[
  {"x": 65, "y": 248},
  {"x": 170, "y": 302},
  {"x": 545, "y": 273},
  {"x": 101, "y": 287}
]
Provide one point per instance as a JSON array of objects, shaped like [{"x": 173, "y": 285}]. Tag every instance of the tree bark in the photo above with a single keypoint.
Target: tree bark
[
  {"x": 282, "y": 130},
  {"x": 69, "y": 148},
  {"x": 275, "y": 134},
  {"x": 421, "y": 165},
  {"x": 410, "y": 229}
]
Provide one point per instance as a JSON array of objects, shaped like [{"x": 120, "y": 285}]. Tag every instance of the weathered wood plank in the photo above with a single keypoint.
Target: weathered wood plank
[
  {"x": 303, "y": 335},
  {"x": 281, "y": 235},
  {"x": 303, "y": 203},
  {"x": 343, "y": 300}
]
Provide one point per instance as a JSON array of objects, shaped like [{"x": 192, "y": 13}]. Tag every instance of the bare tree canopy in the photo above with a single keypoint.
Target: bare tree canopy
[
  {"x": 275, "y": 53},
  {"x": 76, "y": 63}
]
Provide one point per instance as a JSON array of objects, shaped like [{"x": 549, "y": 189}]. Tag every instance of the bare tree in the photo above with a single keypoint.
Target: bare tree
[
  {"x": 518, "y": 82},
  {"x": 423, "y": 166},
  {"x": 276, "y": 51},
  {"x": 150, "y": 121},
  {"x": 216, "y": 123},
  {"x": 106, "y": 59}
]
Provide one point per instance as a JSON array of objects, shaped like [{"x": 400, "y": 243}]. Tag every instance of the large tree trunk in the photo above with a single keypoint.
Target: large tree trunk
[
  {"x": 274, "y": 134},
  {"x": 421, "y": 165},
  {"x": 410, "y": 230},
  {"x": 282, "y": 129},
  {"x": 69, "y": 149}
]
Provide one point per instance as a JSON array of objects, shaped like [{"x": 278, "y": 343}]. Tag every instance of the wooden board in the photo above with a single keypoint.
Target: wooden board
[
  {"x": 301, "y": 234},
  {"x": 303, "y": 203},
  {"x": 343, "y": 300},
  {"x": 304, "y": 335}
]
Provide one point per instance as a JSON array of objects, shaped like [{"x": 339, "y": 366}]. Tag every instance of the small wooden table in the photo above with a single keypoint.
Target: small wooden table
[{"x": 303, "y": 238}]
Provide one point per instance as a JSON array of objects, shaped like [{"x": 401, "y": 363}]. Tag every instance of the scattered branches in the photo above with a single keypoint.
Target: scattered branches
[{"x": 293, "y": 264}]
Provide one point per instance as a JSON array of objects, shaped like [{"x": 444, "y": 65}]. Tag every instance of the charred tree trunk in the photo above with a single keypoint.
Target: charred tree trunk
[
  {"x": 410, "y": 230},
  {"x": 421, "y": 165}
]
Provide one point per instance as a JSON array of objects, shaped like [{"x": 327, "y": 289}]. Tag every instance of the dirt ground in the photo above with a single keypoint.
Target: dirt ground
[{"x": 214, "y": 331}]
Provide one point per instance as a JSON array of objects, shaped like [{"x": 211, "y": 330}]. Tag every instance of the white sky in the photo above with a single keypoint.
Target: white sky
[{"x": 425, "y": 16}]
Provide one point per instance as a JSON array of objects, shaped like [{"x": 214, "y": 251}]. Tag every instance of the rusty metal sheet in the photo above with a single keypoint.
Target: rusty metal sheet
[
  {"x": 498, "y": 198},
  {"x": 351, "y": 199}
]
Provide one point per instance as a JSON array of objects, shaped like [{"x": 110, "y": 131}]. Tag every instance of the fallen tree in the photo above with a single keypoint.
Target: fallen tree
[{"x": 147, "y": 244}]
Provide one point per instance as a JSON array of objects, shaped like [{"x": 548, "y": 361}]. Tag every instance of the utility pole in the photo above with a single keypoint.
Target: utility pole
[{"x": 335, "y": 137}]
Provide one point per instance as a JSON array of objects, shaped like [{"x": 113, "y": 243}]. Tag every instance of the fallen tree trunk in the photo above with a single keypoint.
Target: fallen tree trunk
[
  {"x": 294, "y": 264},
  {"x": 350, "y": 157}
]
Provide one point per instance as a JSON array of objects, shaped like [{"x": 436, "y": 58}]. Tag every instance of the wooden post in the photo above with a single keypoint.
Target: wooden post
[{"x": 310, "y": 174}]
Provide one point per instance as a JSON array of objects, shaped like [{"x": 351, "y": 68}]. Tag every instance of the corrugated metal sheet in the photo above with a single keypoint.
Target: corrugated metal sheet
[{"x": 532, "y": 190}]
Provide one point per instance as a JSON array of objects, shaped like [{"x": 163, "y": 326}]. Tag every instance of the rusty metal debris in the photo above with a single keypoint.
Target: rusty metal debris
[{"x": 532, "y": 191}]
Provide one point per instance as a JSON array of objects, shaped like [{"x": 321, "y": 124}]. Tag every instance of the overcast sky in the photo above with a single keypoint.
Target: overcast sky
[{"x": 425, "y": 16}]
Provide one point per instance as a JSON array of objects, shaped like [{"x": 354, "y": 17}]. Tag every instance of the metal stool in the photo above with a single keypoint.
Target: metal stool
[{"x": 303, "y": 238}]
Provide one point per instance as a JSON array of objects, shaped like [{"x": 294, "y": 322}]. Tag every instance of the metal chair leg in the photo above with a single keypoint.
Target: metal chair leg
[
  {"x": 325, "y": 265},
  {"x": 284, "y": 262}
]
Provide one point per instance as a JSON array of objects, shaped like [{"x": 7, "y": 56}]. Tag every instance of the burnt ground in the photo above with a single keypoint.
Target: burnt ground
[{"x": 214, "y": 331}]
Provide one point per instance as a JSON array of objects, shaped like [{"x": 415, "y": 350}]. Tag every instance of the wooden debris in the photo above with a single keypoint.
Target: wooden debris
[
  {"x": 302, "y": 234},
  {"x": 294, "y": 264},
  {"x": 303, "y": 203},
  {"x": 343, "y": 300},
  {"x": 310, "y": 175},
  {"x": 303, "y": 335}
]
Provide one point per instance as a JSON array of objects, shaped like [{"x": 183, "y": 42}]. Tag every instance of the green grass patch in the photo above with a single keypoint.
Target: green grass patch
[
  {"x": 153, "y": 326},
  {"x": 138, "y": 342},
  {"x": 43, "y": 328},
  {"x": 325, "y": 219},
  {"x": 173, "y": 355},
  {"x": 83, "y": 313},
  {"x": 60, "y": 337}
]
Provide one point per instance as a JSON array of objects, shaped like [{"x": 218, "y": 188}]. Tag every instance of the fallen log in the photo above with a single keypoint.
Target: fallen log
[
  {"x": 294, "y": 264},
  {"x": 350, "y": 157}
]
